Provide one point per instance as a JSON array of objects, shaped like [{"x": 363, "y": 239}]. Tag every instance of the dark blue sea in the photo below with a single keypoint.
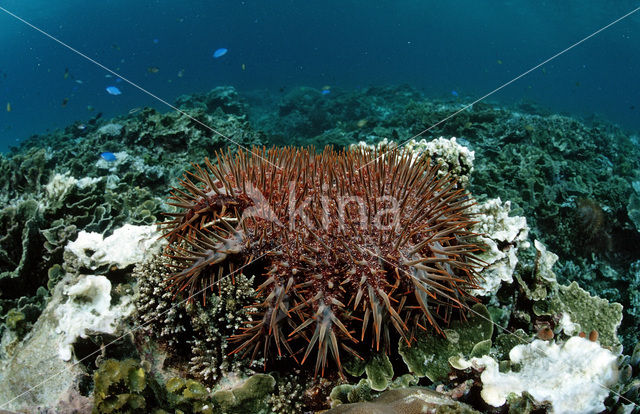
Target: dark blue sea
[{"x": 464, "y": 49}]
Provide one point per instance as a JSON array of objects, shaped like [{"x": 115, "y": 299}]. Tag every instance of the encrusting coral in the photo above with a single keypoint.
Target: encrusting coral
[{"x": 349, "y": 248}]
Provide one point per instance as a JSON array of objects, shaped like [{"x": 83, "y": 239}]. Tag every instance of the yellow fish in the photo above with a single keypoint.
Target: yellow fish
[
  {"x": 499, "y": 62},
  {"x": 8, "y": 107},
  {"x": 243, "y": 67}
]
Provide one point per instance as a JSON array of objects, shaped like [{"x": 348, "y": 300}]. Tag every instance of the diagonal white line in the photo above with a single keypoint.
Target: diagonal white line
[
  {"x": 136, "y": 85},
  {"x": 508, "y": 83},
  {"x": 523, "y": 341},
  {"x": 138, "y": 327}
]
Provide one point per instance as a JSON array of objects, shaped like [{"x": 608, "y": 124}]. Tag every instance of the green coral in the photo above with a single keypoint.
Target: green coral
[
  {"x": 589, "y": 312},
  {"x": 127, "y": 387},
  {"x": 119, "y": 387},
  {"x": 429, "y": 356},
  {"x": 379, "y": 372},
  {"x": 249, "y": 397}
]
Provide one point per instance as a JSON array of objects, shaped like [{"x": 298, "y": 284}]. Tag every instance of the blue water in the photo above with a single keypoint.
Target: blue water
[{"x": 469, "y": 46}]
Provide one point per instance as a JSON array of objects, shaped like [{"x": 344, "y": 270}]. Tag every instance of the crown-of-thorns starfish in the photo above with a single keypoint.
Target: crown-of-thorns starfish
[{"x": 353, "y": 247}]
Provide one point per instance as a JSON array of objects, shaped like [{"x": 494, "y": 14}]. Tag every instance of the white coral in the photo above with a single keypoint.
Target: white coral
[
  {"x": 574, "y": 377},
  {"x": 448, "y": 154},
  {"x": 61, "y": 184},
  {"x": 58, "y": 187},
  {"x": 87, "y": 310},
  {"x": 126, "y": 246},
  {"x": 502, "y": 236}
]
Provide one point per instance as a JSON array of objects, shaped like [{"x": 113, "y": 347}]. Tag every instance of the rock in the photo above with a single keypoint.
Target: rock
[{"x": 415, "y": 400}]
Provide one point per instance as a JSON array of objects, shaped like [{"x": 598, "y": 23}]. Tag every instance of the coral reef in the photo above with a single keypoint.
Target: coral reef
[{"x": 71, "y": 272}]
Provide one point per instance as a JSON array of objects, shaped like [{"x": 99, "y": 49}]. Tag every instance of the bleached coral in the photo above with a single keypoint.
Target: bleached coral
[
  {"x": 574, "y": 377},
  {"x": 448, "y": 154},
  {"x": 502, "y": 236},
  {"x": 111, "y": 130},
  {"x": 127, "y": 245},
  {"x": 58, "y": 187},
  {"x": 88, "y": 309}
]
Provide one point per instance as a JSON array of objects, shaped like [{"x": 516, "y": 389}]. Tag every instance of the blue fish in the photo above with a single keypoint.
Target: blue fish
[
  {"x": 108, "y": 156},
  {"x": 454, "y": 93},
  {"x": 326, "y": 91},
  {"x": 220, "y": 52},
  {"x": 113, "y": 90}
]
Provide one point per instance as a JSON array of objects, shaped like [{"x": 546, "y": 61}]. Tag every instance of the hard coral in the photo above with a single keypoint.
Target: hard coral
[{"x": 348, "y": 247}]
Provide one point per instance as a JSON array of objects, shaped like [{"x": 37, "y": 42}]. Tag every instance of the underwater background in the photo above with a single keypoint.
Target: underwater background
[
  {"x": 469, "y": 47},
  {"x": 531, "y": 107}
]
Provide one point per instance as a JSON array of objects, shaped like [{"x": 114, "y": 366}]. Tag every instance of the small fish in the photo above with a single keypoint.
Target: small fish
[
  {"x": 115, "y": 46},
  {"x": 82, "y": 127},
  {"x": 181, "y": 73},
  {"x": 64, "y": 102},
  {"x": 79, "y": 81},
  {"x": 499, "y": 62},
  {"x": 220, "y": 52},
  {"x": 89, "y": 108},
  {"x": 66, "y": 73},
  {"x": 108, "y": 75},
  {"x": 113, "y": 90},
  {"x": 153, "y": 69},
  {"x": 361, "y": 123},
  {"x": 8, "y": 107},
  {"x": 108, "y": 156},
  {"x": 134, "y": 110},
  {"x": 244, "y": 67},
  {"x": 156, "y": 41},
  {"x": 326, "y": 91},
  {"x": 455, "y": 93}
]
